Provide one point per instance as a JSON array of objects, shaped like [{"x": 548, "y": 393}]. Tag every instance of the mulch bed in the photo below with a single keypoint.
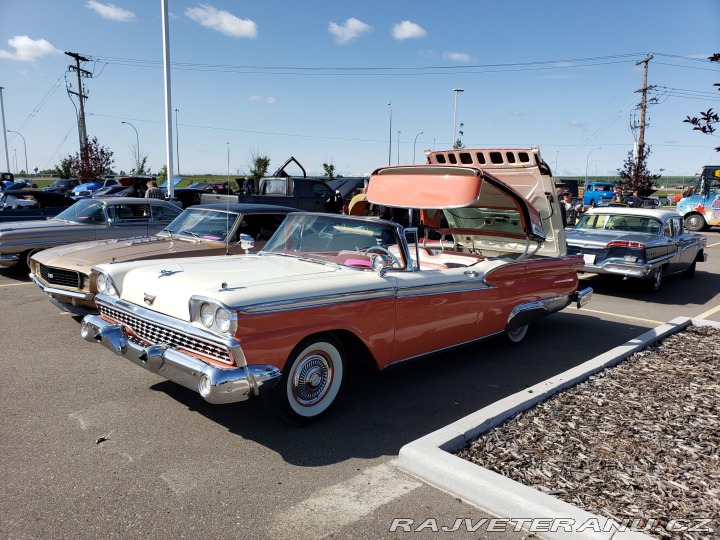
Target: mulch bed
[{"x": 638, "y": 441}]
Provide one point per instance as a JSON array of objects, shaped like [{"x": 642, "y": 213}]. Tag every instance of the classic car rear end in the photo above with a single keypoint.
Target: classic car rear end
[
  {"x": 328, "y": 289},
  {"x": 636, "y": 243}
]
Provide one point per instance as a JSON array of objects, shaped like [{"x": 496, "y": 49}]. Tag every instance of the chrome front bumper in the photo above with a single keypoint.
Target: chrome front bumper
[
  {"x": 214, "y": 384},
  {"x": 8, "y": 261}
]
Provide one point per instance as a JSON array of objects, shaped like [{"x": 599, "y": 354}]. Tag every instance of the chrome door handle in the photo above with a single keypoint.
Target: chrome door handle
[{"x": 471, "y": 273}]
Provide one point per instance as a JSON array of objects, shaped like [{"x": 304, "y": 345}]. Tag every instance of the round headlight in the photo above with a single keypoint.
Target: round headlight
[
  {"x": 222, "y": 319},
  {"x": 207, "y": 314},
  {"x": 110, "y": 289},
  {"x": 101, "y": 282}
]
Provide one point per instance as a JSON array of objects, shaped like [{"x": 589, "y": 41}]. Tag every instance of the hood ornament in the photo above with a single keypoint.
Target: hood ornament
[{"x": 149, "y": 299}]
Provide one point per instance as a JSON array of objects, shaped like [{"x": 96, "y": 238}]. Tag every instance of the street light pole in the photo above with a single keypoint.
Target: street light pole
[
  {"x": 24, "y": 146},
  {"x": 2, "y": 109},
  {"x": 398, "y": 143},
  {"x": 228, "y": 165},
  {"x": 137, "y": 140},
  {"x": 390, "y": 137},
  {"x": 587, "y": 163},
  {"x": 457, "y": 91},
  {"x": 416, "y": 136},
  {"x": 177, "y": 143}
]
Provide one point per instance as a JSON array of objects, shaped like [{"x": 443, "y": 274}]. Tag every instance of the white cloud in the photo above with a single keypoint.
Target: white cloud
[
  {"x": 28, "y": 49},
  {"x": 110, "y": 11},
  {"x": 222, "y": 21},
  {"x": 457, "y": 56},
  {"x": 351, "y": 30},
  {"x": 408, "y": 30},
  {"x": 575, "y": 124},
  {"x": 270, "y": 100},
  {"x": 516, "y": 114}
]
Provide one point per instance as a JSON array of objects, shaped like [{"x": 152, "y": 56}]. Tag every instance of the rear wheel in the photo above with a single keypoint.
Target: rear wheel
[
  {"x": 653, "y": 284},
  {"x": 311, "y": 381},
  {"x": 513, "y": 337},
  {"x": 694, "y": 222}
]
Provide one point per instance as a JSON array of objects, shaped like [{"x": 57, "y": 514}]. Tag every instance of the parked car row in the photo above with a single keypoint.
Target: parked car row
[{"x": 236, "y": 301}]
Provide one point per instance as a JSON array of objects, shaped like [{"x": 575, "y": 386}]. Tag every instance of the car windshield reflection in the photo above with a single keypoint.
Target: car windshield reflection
[
  {"x": 336, "y": 239},
  {"x": 84, "y": 211},
  {"x": 620, "y": 222}
]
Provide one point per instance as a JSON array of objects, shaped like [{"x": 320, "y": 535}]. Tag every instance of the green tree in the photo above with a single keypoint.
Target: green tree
[
  {"x": 329, "y": 171},
  {"x": 257, "y": 168},
  {"x": 458, "y": 145},
  {"x": 704, "y": 123},
  {"x": 64, "y": 170},
  {"x": 162, "y": 173},
  {"x": 635, "y": 174},
  {"x": 143, "y": 168},
  {"x": 92, "y": 162}
]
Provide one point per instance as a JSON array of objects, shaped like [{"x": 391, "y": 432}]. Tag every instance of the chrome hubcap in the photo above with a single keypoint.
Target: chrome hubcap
[{"x": 312, "y": 379}]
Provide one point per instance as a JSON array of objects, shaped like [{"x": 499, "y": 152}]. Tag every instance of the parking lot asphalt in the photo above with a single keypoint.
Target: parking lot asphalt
[{"x": 93, "y": 446}]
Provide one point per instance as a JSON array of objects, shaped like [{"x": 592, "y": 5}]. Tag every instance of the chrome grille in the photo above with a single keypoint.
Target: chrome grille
[
  {"x": 60, "y": 276},
  {"x": 158, "y": 335}
]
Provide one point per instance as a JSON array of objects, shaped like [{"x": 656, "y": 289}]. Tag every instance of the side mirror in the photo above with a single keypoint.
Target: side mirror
[{"x": 246, "y": 242}]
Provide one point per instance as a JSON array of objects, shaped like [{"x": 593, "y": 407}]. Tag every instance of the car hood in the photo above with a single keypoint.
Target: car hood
[
  {"x": 586, "y": 238},
  {"x": 88, "y": 254},
  {"x": 237, "y": 281}
]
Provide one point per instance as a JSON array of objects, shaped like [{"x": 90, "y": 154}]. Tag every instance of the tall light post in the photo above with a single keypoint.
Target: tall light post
[
  {"x": 27, "y": 173},
  {"x": 390, "y": 137},
  {"x": 457, "y": 91},
  {"x": 2, "y": 109},
  {"x": 587, "y": 162},
  {"x": 228, "y": 164},
  {"x": 398, "y": 144},
  {"x": 556, "y": 155},
  {"x": 177, "y": 143},
  {"x": 137, "y": 140},
  {"x": 416, "y": 136}
]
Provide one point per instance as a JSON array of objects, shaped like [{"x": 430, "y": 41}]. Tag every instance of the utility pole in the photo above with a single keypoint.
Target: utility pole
[
  {"x": 82, "y": 131},
  {"x": 643, "y": 108}
]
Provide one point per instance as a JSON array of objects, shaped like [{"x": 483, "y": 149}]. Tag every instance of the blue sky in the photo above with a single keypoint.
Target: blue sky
[{"x": 313, "y": 79}]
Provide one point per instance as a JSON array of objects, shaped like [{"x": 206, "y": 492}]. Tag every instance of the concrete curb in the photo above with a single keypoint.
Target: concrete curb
[{"x": 429, "y": 457}]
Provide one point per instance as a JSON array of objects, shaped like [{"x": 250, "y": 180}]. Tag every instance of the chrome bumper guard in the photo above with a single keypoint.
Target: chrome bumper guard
[
  {"x": 214, "y": 384},
  {"x": 582, "y": 297}
]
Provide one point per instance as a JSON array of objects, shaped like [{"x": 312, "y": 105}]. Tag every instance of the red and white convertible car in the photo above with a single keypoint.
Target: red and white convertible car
[{"x": 480, "y": 261}]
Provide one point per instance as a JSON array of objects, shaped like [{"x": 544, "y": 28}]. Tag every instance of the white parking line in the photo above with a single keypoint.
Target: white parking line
[
  {"x": 17, "y": 284},
  {"x": 713, "y": 245},
  {"x": 621, "y": 316},
  {"x": 709, "y": 312},
  {"x": 333, "y": 508}
]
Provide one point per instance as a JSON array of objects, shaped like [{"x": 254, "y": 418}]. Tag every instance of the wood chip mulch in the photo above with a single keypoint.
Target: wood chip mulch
[{"x": 640, "y": 440}]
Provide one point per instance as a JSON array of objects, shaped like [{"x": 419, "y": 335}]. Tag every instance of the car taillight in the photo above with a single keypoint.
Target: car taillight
[{"x": 620, "y": 243}]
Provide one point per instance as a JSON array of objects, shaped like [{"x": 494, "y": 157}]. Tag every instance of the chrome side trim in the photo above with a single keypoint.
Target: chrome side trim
[
  {"x": 443, "y": 349},
  {"x": 60, "y": 292},
  {"x": 315, "y": 301},
  {"x": 226, "y": 385},
  {"x": 443, "y": 288}
]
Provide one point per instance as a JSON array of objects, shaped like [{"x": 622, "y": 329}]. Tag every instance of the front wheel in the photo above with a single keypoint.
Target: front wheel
[
  {"x": 694, "y": 222},
  {"x": 311, "y": 381},
  {"x": 690, "y": 271}
]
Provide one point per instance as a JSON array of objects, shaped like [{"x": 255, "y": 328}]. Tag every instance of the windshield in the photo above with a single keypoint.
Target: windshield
[
  {"x": 84, "y": 211},
  {"x": 620, "y": 222},
  {"x": 337, "y": 239},
  {"x": 206, "y": 224}
]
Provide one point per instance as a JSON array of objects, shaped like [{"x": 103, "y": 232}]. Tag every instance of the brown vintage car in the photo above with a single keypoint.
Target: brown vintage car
[{"x": 209, "y": 229}]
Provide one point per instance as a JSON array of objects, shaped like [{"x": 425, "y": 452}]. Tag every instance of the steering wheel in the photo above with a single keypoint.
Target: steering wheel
[
  {"x": 384, "y": 252},
  {"x": 621, "y": 225}
]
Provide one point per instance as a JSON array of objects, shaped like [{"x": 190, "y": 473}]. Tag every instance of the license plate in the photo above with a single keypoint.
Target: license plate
[{"x": 589, "y": 259}]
